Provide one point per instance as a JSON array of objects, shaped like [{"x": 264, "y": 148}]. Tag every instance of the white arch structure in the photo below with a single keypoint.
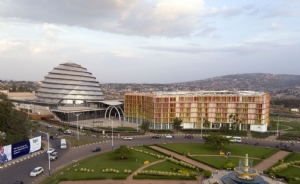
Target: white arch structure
[{"x": 110, "y": 108}]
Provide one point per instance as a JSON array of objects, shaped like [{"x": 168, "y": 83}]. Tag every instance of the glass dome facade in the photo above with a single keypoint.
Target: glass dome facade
[{"x": 69, "y": 83}]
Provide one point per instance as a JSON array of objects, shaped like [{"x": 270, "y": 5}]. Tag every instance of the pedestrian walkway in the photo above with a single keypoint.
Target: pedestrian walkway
[
  {"x": 184, "y": 158},
  {"x": 267, "y": 163}
]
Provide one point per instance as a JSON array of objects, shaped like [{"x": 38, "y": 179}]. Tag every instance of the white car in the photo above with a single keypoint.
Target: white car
[
  {"x": 49, "y": 126},
  {"x": 50, "y": 150},
  {"x": 127, "y": 138},
  {"x": 36, "y": 171},
  {"x": 169, "y": 136}
]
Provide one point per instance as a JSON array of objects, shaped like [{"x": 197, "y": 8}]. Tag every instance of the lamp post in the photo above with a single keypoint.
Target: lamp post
[
  {"x": 137, "y": 124},
  {"x": 78, "y": 114},
  {"x": 112, "y": 134},
  {"x": 48, "y": 153},
  {"x": 277, "y": 126},
  {"x": 201, "y": 132}
]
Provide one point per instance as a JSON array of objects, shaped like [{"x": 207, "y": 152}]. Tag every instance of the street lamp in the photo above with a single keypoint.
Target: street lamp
[
  {"x": 112, "y": 134},
  {"x": 48, "y": 149},
  {"x": 201, "y": 132},
  {"x": 78, "y": 114},
  {"x": 48, "y": 153},
  {"x": 277, "y": 126},
  {"x": 137, "y": 124}
]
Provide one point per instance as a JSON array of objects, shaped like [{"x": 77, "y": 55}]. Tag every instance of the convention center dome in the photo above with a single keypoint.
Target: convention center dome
[{"x": 69, "y": 83}]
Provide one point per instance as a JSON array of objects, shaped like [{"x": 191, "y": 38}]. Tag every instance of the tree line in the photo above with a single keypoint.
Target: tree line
[{"x": 14, "y": 126}]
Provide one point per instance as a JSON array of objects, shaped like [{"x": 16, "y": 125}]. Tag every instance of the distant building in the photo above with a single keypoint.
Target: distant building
[
  {"x": 67, "y": 89},
  {"x": 294, "y": 110},
  {"x": 4, "y": 91},
  {"x": 251, "y": 109}
]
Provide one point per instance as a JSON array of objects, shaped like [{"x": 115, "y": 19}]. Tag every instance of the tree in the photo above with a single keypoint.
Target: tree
[
  {"x": 145, "y": 126},
  {"x": 235, "y": 121},
  {"x": 206, "y": 123},
  {"x": 217, "y": 141},
  {"x": 123, "y": 152},
  {"x": 14, "y": 124},
  {"x": 177, "y": 124}
]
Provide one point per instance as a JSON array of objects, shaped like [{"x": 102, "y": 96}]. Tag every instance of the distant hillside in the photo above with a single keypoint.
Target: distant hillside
[{"x": 271, "y": 83}]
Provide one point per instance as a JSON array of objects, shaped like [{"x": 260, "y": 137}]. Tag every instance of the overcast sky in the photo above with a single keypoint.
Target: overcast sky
[{"x": 163, "y": 41}]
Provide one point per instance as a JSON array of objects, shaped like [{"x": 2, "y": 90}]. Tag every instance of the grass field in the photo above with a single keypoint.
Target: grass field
[
  {"x": 100, "y": 162},
  {"x": 235, "y": 149},
  {"x": 219, "y": 161}
]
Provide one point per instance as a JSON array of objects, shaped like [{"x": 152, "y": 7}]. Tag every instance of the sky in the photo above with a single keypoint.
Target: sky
[{"x": 149, "y": 41}]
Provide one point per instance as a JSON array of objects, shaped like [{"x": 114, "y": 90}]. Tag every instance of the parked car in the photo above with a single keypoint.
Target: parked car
[
  {"x": 50, "y": 150},
  {"x": 36, "y": 171},
  {"x": 169, "y": 136},
  {"x": 49, "y": 126},
  {"x": 54, "y": 156},
  {"x": 156, "y": 137},
  {"x": 19, "y": 182},
  {"x": 189, "y": 136},
  {"x": 67, "y": 132},
  {"x": 53, "y": 137},
  {"x": 127, "y": 138},
  {"x": 96, "y": 149}
]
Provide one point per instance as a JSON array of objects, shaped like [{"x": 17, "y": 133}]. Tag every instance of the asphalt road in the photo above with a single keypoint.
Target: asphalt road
[{"x": 21, "y": 170}]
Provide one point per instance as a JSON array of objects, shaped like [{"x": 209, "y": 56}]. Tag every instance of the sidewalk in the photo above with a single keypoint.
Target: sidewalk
[{"x": 267, "y": 163}]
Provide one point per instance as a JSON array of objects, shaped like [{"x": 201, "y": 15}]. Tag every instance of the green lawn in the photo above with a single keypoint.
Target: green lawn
[
  {"x": 100, "y": 162},
  {"x": 167, "y": 167},
  {"x": 219, "y": 161},
  {"x": 260, "y": 135},
  {"x": 149, "y": 150},
  {"x": 290, "y": 172},
  {"x": 293, "y": 157},
  {"x": 235, "y": 149}
]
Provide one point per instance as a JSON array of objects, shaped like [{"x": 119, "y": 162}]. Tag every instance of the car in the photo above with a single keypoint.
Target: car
[
  {"x": 18, "y": 182},
  {"x": 96, "y": 149},
  {"x": 36, "y": 171},
  {"x": 169, "y": 136},
  {"x": 53, "y": 137},
  {"x": 53, "y": 156},
  {"x": 50, "y": 150},
  {"x": 49, "y": 126},
  {"x": 67, "y": 132},
  {"x": 189, "y": 136},
  {"x": 156, "y": 137},
  {"x": 127, "y": 138}
]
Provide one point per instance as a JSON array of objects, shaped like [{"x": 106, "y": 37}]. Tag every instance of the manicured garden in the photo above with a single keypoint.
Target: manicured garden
[
  {"x": 103, "y": 166},
  {"x": 287, "y": 168},
  {"x": 235, "y": 149},
  {"x": 222, "y": 162}
]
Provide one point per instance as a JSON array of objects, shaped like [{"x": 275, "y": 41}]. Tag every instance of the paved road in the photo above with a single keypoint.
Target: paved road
[{"x": 22, "y": 169}]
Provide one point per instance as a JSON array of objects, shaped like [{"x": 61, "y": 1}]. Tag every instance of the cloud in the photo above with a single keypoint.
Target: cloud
[
  {"x": 52, "y": 31},
  {"x": 246, "y": 47},
  {"x": 122, "y": 54},
  {"x": 206, "y": 32},
  {"x": 223, "y": 12},
  {"x": 167, "y": 18},
  {"x": 275, "y": 26}
]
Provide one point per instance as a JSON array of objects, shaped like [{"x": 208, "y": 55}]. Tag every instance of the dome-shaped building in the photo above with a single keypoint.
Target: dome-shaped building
[{"x": 69, "y": 83}]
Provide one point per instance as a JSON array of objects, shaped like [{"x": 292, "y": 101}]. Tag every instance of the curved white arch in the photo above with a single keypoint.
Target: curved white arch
[{"x": 111, "y": 107}]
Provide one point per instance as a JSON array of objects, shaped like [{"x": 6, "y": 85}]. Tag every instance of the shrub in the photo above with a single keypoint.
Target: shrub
[{"x": 207, "y": 173}]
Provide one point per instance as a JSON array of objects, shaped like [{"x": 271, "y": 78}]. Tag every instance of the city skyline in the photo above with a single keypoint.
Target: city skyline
[{"x": 166, "y": 41}]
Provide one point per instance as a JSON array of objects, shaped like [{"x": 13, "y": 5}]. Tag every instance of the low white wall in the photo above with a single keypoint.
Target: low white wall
[{"x": 259, "y": 128}]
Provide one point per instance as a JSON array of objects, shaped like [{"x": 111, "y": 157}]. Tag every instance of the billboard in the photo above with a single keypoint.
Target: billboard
[{"x": 12, "y": 151}]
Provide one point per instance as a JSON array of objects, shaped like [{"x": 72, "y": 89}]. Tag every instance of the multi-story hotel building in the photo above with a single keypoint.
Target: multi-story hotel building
[{"x": 250, "y": 109}]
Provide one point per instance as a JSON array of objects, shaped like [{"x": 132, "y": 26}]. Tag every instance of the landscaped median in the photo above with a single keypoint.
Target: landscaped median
[
  {"x": 287, "y": 168},
  {"x": 208, "y": 155},
  {"x": 105, "y": 166}
]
